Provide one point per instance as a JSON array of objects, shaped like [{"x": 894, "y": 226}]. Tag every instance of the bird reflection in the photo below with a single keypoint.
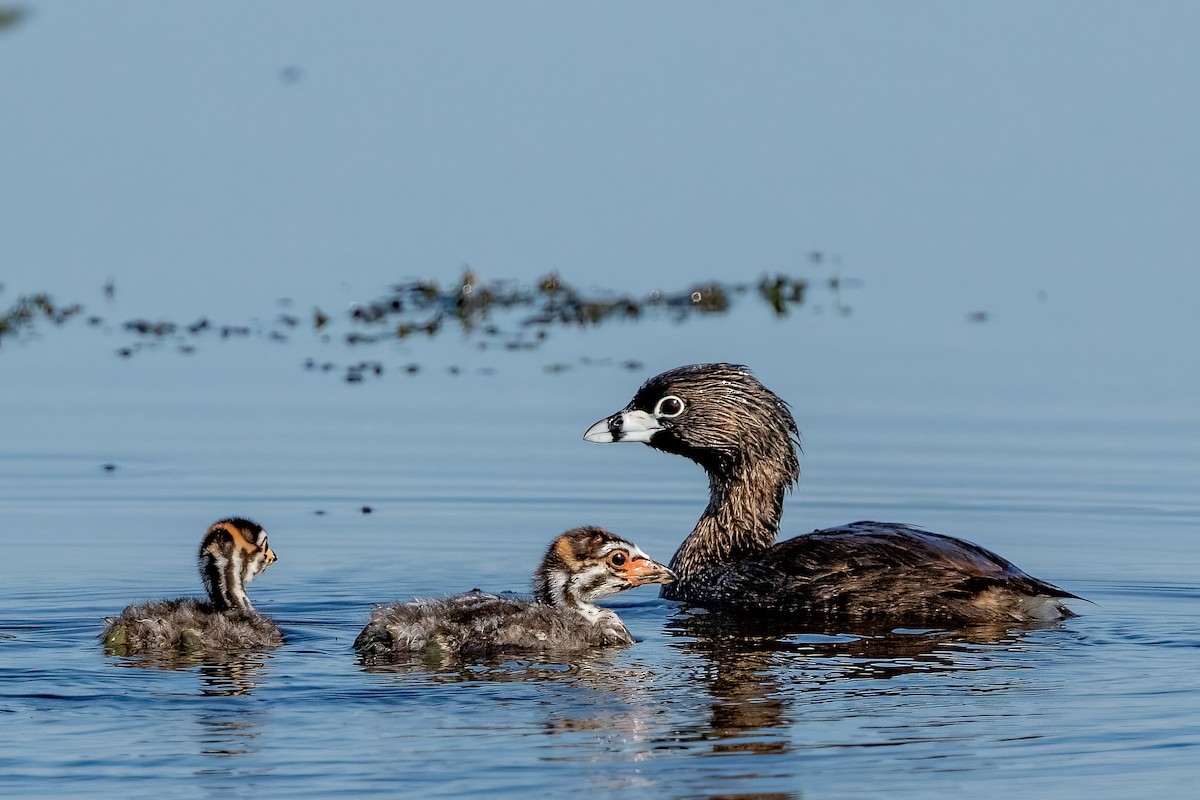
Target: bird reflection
[
  {"x": 234, "y": 676},
  {"x": 597, "y": 692},
  {"x": 223, "y": 736},
  {"x": 439, "y": 666},
  {"x": 716, "y": 685},
  {"x": 227, "y": 739},
  {"x": 228, "y": 729},
  {"x": 228, "y": 675},
  {"x": 753, "y": 668}
]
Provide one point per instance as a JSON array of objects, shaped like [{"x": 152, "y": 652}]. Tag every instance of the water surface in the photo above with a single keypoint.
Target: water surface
[
  {"x": 1011, "y": 188},
  {"x": 468, "y": 475}
]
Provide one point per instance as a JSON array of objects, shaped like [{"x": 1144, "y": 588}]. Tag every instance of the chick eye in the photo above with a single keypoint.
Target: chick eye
[
  {"x": 617, "y": 559},
  {"x": 669, "y": 406}
]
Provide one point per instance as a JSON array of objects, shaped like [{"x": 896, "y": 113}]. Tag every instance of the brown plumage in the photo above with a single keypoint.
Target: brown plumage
[
  {"x": 579, "y": 567},
  {"x": 745, "y": 438},
  {"x": 232, "y": 553}
]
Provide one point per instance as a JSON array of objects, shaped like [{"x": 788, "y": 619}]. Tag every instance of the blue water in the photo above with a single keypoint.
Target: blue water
[
  {"x": 1005, "y": 192},
  {"x": 467, "y": 476}
]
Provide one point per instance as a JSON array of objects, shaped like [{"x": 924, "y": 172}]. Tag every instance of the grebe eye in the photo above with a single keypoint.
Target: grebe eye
[
  {"x": 617, "y": 559},
  {"x": 669, "y": 406}
]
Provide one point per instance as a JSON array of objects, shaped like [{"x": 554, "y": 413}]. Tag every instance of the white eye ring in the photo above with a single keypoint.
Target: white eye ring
[{"x": 669, "y": 407}]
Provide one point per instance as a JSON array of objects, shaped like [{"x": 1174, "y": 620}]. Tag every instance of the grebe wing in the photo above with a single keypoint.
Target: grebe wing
[
  {"x": 902, "y": 548},
  {"x": 872, "y": 569}
]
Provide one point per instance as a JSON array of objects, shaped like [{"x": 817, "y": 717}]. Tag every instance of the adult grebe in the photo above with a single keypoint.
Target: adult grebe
[
  {"x": 745, "y": 438},
  {"x": 580, "y": 567},
  {"x": 232, "y": 553}
]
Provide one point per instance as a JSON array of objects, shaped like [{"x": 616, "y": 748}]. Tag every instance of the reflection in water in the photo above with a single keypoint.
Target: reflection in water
[
  {"x": 592, "y": 693},
  {"x": 760, "y": 678},
  {"x": 229, "y": 748},
  {"x": 221, "y": 735},
  {"x": 745, "y": 699},
  {"x": 439, "y": 666},
  {"x": 228, "y": 730},
  {"x": 753, "y": 669},
  {"x": 227, "y": 675},
  {"x": 233, "y": 676}
]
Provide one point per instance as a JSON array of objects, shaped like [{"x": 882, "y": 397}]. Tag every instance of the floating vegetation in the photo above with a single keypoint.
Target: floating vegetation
[
  {"x": 782, "y": 292},
  {"x": 10, "y": 16},
  {"x": 507, "y": 314},
  {"x": 28, "y": 310},
  {"x": 475, "y": 308}
]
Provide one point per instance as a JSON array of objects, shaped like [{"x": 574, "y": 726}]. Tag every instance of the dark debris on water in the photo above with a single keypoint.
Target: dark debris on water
[
  {"x": 502, "y": 313},
  {"x": 28, "y": 310}
]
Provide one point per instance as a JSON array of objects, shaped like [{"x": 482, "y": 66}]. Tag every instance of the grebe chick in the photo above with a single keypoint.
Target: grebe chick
[
  {"x": 745, "y": 438},
  {"x": 580, "y": 567},
  {"x": 232, "y": 553}
]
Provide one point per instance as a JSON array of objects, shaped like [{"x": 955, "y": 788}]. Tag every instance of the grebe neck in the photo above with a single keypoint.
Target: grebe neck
[
  {"x": 558, "y": 590},
  {"x": 741, "y": 520}
]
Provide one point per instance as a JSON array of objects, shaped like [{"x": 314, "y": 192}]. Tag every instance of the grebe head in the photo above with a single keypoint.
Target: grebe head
[
  {"x": 718, "y": 415},
  {"x": 232, "y": 553},
  {"x": 586, "y": 564}
]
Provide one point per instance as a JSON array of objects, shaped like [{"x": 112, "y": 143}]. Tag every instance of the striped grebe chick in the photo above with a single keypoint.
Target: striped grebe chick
[
  {"x": 745, "y": 438},
  {"x": 580, "y": 567},
  {"x": 232, "y": 553}
]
